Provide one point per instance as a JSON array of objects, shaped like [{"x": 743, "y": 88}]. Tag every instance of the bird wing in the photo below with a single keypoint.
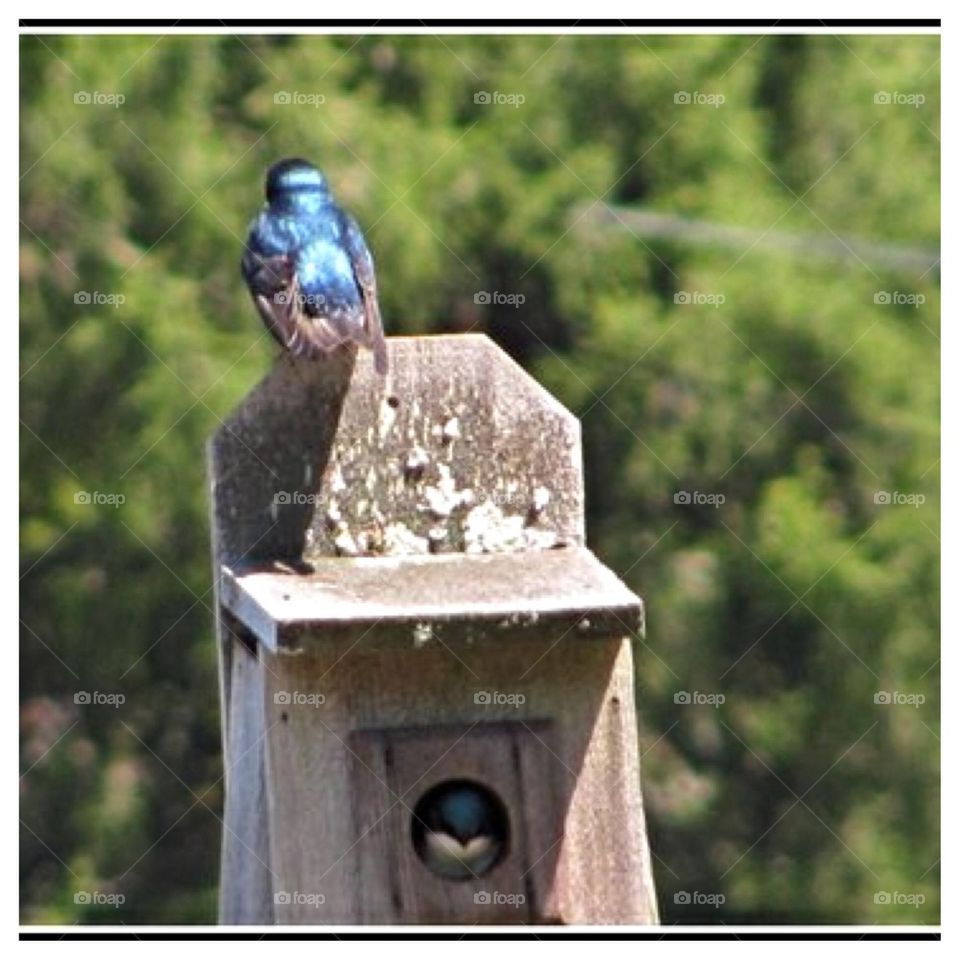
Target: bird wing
[
  {"x": 276, "y": 293},
  {"x": 362, "y": 262}
]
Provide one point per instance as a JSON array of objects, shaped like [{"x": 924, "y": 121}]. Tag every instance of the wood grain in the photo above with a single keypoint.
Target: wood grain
[{"x": 404, "y": 597}]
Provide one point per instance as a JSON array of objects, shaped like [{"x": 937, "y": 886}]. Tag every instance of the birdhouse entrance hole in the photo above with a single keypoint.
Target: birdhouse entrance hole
[{"x": 460, "y": 830}]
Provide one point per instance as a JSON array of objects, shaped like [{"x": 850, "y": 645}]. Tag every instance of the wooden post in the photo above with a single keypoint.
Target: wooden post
[{"x": 408, "y": 615}]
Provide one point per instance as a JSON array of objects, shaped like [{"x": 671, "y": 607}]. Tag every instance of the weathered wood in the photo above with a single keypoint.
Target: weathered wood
[
  {"x": 458, "y": 449},
  {"x": 415, "y": 601},
  {"x": 246, "y": 889},
  {"x": 551, "y": 742},
  {"x": 279, "y": 439},
  {"x": 268, "y": 443},
  {"x": 404, "y": 597}
]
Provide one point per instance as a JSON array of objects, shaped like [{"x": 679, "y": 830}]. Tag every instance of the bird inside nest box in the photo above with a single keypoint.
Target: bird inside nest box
[{"x": 427, "y": 679}]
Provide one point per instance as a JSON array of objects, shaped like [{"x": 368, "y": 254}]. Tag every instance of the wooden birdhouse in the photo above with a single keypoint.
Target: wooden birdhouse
[{"x": 427, "y": 680}]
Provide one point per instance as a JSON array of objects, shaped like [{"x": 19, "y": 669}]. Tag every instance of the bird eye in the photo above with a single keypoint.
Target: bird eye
[{"x": 460, "y": 829}]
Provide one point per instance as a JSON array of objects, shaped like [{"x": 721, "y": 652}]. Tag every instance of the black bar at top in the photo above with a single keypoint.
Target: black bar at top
[{"x": 293, "y": 24}]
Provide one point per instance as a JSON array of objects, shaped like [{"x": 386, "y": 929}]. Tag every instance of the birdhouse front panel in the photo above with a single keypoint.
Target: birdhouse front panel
[{"x": 489, "y": 783}]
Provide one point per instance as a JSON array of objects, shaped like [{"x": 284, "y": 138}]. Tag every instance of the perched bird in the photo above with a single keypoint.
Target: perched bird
[
  {"x": 309, "y": 270},
  {"x": 459, "y": 830}
]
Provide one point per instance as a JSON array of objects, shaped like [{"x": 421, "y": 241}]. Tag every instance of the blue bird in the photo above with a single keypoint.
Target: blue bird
[
  {"x": 309, "y": 269},
  {"x": 459, "y": 831}
]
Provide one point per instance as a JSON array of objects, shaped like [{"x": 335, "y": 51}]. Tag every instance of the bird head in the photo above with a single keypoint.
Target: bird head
[
  {"x": 462, "y": 812},
  {"x": 294, "y": 181}
]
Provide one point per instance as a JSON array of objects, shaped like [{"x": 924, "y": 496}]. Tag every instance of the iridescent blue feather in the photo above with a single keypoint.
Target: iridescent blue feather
[{"x": 309, "y": 269}]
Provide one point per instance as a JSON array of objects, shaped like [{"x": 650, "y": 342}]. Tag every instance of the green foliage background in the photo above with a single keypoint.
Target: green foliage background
[{"x": 798, "y": 398}]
